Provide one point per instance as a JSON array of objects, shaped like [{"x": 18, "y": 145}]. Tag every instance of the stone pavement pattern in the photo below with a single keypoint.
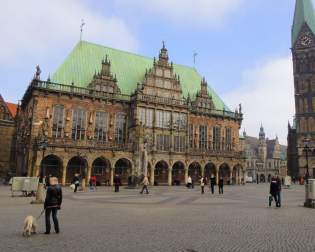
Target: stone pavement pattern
[{"x": 169, "y": 219}]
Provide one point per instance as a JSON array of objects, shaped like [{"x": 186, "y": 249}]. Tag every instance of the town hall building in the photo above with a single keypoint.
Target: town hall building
[{"x": 106, "y": 112}]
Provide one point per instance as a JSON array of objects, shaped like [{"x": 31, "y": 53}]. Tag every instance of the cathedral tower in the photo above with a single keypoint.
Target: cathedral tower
[{"x": 303, "y": 53}]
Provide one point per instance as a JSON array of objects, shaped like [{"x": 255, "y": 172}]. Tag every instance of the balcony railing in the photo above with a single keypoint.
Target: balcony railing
[
  {"x": 79, "y": 90},
  {"x": 64, "y": 143},
  {"x": 71, "y": 89}
]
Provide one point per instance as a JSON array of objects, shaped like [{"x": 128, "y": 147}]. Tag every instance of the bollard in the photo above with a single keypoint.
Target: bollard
[{"x": 39, "y": 194}]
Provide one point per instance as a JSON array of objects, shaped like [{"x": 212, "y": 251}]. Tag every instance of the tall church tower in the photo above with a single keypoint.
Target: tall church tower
[
  {"x": 262, "y": 147},
  {"x": 303, "y": 53}
]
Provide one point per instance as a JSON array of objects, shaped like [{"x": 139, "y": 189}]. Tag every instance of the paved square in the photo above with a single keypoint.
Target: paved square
[{"x": 169, "y": 219}]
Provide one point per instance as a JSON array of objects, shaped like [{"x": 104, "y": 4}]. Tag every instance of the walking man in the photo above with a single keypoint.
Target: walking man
[
  {"x": 273, "y": 191},
  {"x": 221, "y": 184},
  {"x": 212, "y": 183},
  {"x": 202, "y": 185},
  {"x": 76, "y": 182},
  {"x": 117, "y": 182},
  {"x": 278, "y": 192},
  {"x": 145, "y": 183},
  {"x": 52, "y": 204}
]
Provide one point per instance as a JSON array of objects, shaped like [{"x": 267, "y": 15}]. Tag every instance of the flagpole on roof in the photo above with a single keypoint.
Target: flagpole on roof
[{"x": 81, "y": 29}]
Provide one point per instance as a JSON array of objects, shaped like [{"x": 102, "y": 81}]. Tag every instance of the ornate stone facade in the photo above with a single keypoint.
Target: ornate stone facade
[
  {"x": 100, "y": 130},
  {"x": 264, "y": 157}
]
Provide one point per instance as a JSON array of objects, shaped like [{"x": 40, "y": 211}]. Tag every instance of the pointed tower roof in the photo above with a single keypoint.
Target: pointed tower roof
[{"x": 304, "y": 13}]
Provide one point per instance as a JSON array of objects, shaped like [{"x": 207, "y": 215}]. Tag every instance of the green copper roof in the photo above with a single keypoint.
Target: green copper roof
[
  {"x": 85, "y": 59},
  {"x": 304, "y": 13}
]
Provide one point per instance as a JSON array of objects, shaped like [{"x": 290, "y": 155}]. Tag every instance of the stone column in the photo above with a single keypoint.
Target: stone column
[
  {"x": 231, "y": 176},
  {"x": 112, "y": 176},
  {"x": 169, "y": 177},
  {"x": 64, "y": 174},
  {"x": 186, "y": 175},
  {"x": 152, "y": 176},
  {"x": 217, "y": 176},
  {"x": 202, "y": 171},
  {"x": 89, "y": 171}
]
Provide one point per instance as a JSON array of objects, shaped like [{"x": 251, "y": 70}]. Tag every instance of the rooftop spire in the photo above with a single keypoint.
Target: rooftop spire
[{"x": 304, "y": 13}]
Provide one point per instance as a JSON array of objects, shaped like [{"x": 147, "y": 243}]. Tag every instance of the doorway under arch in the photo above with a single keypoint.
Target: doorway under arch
[{"x": 161, "y": 173}]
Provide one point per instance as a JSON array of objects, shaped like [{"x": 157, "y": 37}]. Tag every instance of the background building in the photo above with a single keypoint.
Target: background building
[
  {"x": 302, "y": 132},
  {"x": 7, "y": 136},
  {"x": 264, "y": 157},
  {"x": 106, "y": 112}
]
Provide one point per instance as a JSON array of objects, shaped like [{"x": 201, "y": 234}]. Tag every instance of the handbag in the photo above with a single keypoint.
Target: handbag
[{"x": 72, "y": 186}]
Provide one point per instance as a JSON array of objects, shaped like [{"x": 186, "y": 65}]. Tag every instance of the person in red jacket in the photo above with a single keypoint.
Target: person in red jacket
[{"x": 93, "y": 182}]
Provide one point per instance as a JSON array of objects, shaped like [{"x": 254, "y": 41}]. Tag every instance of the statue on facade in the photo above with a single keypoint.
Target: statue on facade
[
  {"x": 145, "y": 158},
  {"x": 240, "y": 108},
  {"x": 37, "y": 73}
]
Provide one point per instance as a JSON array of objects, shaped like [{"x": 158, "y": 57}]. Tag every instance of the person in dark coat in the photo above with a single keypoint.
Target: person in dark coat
[
  {"x": 221, "y": 184},
  {"x": 279, "y": 192},
  {"x": 274, "y": 190},
  {"x": 76, "y": 182},
  {"x": 212, "y": 183},
  {"x": 117, "y": 182},
  {"x": 52, "y": 204}
]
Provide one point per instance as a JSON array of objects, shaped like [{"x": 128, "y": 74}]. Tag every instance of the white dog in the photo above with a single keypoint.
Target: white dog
[{"x": 29, "y": 226}]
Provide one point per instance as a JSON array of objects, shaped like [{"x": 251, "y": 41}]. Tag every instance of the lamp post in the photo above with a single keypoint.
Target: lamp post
[{"x": 42, "y": 144}]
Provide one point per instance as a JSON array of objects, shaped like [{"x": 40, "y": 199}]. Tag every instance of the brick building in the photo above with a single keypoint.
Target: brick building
[
  {"x": 7, "y": 135},
  {"x": 302, "y": 132},
  {"x": 106, "y": 112}
]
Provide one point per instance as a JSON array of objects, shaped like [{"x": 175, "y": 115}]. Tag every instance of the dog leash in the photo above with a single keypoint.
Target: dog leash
[{"x": 40, "y": 214}]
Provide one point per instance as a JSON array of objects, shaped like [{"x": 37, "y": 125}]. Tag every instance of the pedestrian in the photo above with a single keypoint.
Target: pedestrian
[
  {"x": 273, "y": 191},
  {"x": 189, "y": 182},
  {"x": 257, "y": 179},
  {"x": 279, "y": 191},
  {"x": 52, "y": 204},
  {"x": 93, "y": 183},
  {"x": 212, "y": 183},
  {"x": 117, "y": 182},
  {"x": 221, "y": 184},
  {"x": 202, "y": 185},
  {"x": 76, "y": 182},
  {"x": 47, "y": 181},
  {"x": 145, "y": 183}
]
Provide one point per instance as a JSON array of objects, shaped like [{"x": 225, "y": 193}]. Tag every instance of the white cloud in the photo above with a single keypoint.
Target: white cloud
[
  {"x": 195, "y": 12},
  {"x": 41, "y": 27},
  {"x": 267, "y": 95}
]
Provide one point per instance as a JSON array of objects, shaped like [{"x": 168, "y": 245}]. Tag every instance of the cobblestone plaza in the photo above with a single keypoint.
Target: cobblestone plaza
[{"x": 168, "y": 219}]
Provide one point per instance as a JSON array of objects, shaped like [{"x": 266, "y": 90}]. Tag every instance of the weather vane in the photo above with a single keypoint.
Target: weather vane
[
  {"x": 195, "y": 55},
  {"x": 81, "y": 28}
]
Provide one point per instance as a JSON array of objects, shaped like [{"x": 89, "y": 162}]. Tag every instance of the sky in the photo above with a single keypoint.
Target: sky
[{"x": 243, "y": 46}]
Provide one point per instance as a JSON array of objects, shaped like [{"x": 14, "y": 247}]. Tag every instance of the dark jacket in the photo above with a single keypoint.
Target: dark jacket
[
  {"x": 75, "y": 180},
  {"x": 117, "y": 181},
  {"x": 53, "y": 196},
  {"x": 274, "y": 188},
  {"x": 213, "y": 181},
  {"x": 221, "y": 182}
]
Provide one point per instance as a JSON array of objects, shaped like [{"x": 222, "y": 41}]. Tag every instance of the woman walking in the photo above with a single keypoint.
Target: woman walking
[{"x": 52, "y": 204}]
